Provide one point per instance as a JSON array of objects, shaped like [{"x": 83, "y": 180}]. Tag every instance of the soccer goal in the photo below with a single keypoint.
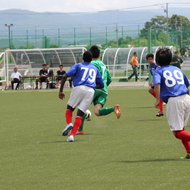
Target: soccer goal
[{"x": 29, "y": 61}]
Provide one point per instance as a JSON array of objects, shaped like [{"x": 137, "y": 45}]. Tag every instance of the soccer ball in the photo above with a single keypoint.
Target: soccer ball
[{"x": 88, "y": 115}]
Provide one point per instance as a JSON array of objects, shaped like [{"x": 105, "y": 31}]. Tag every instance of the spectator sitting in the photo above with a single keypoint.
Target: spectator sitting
[
  {"x": 15, "y": 78},
  {"x": 60, "y": 74},
  {"x": 50, "y": 72},
  {"x": 44, "y": 77}
]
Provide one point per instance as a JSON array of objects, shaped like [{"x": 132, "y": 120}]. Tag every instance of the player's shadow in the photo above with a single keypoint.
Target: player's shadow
[
  {"x": 153, "y": 160},
  {"x": 50, "y": 142},
  {"x": 63, "y": 141},
  {"x": 141, "y": 107},
  {"x": 147, "y": 119}
]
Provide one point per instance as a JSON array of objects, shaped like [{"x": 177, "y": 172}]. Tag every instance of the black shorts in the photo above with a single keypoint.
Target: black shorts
[
  {"x": 59, "y": 78},
  {"x": 43, "y": 79}
]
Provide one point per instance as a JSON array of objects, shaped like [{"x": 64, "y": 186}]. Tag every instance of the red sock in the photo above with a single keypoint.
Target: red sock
[
  {"x": 161, "y": 105},
  {"x": 182, "y": 135},
  {"x": 68, "y": 116},
  {"x": 185, "y": 139},
  {"x": 186, "y": 144},
  {"x": 77, "y": 124},
  {"x": 161, "y": 102},
  {"x": 154, "y": 94}
]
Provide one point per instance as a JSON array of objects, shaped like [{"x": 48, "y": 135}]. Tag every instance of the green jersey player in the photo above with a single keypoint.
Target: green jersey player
[{"x": 100, "y": 95}]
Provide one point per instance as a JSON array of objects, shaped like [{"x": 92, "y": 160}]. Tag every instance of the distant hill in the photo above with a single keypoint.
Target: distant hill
[
  {"x": 25, "y": 19},
  {"x": 31, "y": 27}
]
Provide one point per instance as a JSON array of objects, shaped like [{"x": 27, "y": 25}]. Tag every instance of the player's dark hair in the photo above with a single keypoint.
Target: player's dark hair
[
  {"x": 95, "y": 51},
  {"x": 43, "y": 65},
  {"x": 60, "y": 65},
  {"x": 135, "y": 53},
  {"x": 87, "y": 56},
  {"x": 149, "y": 55},
  {"x": 163, "y": 56}
]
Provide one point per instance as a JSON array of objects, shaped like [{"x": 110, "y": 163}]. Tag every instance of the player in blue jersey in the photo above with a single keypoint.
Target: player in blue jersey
[
  {"x": 152, "y": 68},
  {"x": 172, "y": 86},
  {"x": 86, "y": 78}
]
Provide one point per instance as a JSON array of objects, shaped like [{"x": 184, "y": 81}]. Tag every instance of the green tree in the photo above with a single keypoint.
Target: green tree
[
  {"x": 179, "y": 29},
  {"x": 157, "y": 25}
]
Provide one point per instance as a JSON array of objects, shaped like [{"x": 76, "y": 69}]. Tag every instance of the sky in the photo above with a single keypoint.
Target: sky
[{"x": 86, "y": 5}]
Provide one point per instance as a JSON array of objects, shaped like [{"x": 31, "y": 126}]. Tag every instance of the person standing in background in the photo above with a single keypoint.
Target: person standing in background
[{"x": 134, "y": 63}]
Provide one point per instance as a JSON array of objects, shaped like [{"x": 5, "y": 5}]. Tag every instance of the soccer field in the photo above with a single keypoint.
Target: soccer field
[{"x": 136, "y": 152}]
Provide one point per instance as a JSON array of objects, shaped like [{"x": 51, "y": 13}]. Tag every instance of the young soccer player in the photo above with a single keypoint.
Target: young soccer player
[
  {"x": 86, "y": 78},
  {"x": 171, "y": 85},
  {"x": 152, "y": 67},
  {"x": 101, "y": 95}
]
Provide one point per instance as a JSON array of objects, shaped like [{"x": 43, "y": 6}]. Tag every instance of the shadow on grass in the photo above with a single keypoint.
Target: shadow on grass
[
  {"x": 155, "y": 160},
  {"x": 63, "y": 141},
  {"x": 51, "y": 142},
  {"x": 147, "y": 120},
  {"x": 141, "y": 107}
]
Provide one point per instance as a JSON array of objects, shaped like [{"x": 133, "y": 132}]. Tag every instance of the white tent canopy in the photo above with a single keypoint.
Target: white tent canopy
[
  {"x": 118, "y": 60},
  {"x": 29, "y": 61}
]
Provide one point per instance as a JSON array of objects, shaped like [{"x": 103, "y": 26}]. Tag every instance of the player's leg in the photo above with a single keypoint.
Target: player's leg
[
  {"x": 152, "y": 92},
  {"x": 161, "y": 107},
  {"x": 77, "y": 124},
  {"x": 178, "y": 111},
  {"x": 86, "y": 95},
  {"x": 76, "y": 96},
  {"x": 99, "y": 101},
  {"x": 68, "y": 118},
  {"x": 80, "y": 130},
  {"x": 184, "y": 136}
]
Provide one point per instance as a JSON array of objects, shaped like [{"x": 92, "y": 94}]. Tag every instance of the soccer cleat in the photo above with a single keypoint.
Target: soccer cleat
[
  {"x": 80, "y": 133},
  {"x": 160, "y": 113},
  {"x": 117, "y": 111},
  {"x": 67, "y": 129},
  {"x": 70, "y": 138},
  {"x": 186, "y": 157}
]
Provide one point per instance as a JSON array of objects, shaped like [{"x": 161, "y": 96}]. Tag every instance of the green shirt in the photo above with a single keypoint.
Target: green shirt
[
  {"x": 178, "y": 60},
  {"x": 106, "y": 77}
]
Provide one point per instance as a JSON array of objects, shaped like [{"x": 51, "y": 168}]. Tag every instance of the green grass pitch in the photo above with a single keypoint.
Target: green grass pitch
[{"x": 136, "y": 152}]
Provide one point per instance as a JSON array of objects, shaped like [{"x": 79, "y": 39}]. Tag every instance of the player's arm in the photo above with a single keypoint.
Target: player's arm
[
  {"x": 156, "y": 84},
  {"x": 61, "y": 94},
  {"x": 157, "y": 91},
  {"x": 109, "y": 79},
  {"x": 99, "y": 81}
]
